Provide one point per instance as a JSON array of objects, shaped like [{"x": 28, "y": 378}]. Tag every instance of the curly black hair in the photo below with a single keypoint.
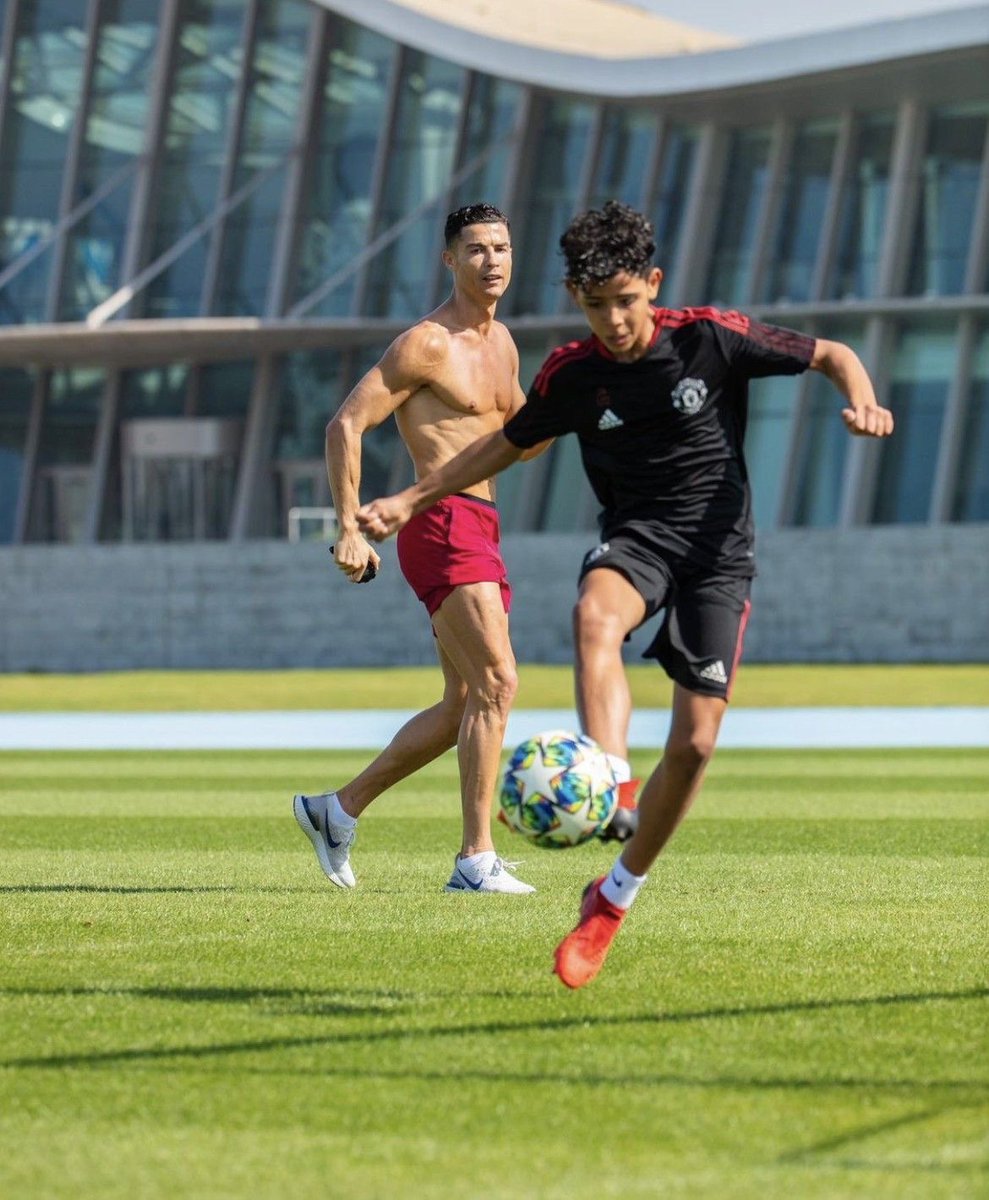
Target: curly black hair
[
  {"x": 602, "y": 242},
  {"x": 472, "y": 214}
]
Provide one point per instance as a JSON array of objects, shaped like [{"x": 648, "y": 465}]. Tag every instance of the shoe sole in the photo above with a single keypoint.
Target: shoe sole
[{"x": 302, "y": 820}]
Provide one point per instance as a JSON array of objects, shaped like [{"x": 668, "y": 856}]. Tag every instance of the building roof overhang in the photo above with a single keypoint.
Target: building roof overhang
[{"x": 657, "y": 73}]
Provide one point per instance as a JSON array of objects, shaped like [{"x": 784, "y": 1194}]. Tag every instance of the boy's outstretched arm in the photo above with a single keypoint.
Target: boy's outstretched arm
[
  {"x": 480, "y": 460},
  {"x": 863, "y": 416}
]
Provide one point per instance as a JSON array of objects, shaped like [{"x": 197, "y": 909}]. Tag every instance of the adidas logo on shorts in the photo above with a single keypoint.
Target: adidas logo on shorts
[
  {"x": 715, "y": 672},
  {"x": 609, "y": 420}
]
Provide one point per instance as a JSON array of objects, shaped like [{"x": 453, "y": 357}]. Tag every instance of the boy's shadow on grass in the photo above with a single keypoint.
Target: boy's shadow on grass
[{"x": 380, "y": 1003}]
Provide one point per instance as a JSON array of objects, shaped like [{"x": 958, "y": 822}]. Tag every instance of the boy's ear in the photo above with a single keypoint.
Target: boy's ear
[{"x": 654, "y": 279}]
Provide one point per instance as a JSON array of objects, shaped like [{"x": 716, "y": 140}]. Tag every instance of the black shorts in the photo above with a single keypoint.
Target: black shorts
[{"x": 699, "y": 643}]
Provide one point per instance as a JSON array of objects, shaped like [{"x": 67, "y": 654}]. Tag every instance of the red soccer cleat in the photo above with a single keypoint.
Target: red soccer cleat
[{"x": 582, "y": 952}]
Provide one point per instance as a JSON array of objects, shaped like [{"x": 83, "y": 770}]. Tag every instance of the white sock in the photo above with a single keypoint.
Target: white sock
[
  {"x": 479, "y": 864},
  {"x": 621, "y": 886},
  {"x": 336, "y": 813},
  {"x": 621, "y": 768}
]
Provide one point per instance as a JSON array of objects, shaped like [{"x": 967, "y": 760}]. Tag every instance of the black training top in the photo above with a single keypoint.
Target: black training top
[{"x": 661, "y": 437}]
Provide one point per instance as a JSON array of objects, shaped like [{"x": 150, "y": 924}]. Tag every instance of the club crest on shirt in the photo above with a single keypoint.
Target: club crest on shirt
[{"x": 689, "y": 395}]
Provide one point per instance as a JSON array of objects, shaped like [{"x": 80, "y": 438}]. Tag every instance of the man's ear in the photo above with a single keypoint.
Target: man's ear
[{"x": 447, "y": 260}]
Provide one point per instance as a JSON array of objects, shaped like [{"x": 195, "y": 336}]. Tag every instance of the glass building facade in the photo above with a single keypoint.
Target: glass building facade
[{"x": 231, "y": 206}]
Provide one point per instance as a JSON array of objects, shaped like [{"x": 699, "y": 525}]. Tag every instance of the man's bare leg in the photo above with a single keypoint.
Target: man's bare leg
[
  {"x": 421, "y": 739},
  {"x": 472, "y": 628}
]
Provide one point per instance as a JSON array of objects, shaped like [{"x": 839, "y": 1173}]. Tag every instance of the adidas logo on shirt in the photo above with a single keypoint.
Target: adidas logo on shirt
[
  {"x": 609, "y": 420},
  {"x": 715, "y": 672}
]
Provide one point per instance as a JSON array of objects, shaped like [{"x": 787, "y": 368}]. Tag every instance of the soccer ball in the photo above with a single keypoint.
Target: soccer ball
[{"x": 558, "y": 789}]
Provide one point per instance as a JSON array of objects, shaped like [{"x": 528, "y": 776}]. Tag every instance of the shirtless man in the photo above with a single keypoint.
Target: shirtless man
[{"x": 451, "y": 378}]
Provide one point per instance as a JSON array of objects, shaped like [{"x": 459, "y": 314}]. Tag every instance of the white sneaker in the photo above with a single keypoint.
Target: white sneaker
[
  {"x": 490, "y": 875},
  {"x": 331, "y": 842}
]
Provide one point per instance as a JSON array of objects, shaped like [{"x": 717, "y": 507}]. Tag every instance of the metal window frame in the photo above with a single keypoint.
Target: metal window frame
[{"x": 702, "y": 205}]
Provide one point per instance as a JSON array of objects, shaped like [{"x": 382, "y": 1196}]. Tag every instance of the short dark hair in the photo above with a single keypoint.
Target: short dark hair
[
  {"x": 472, "y": 214},
  {"x": 600, "y": 243}
]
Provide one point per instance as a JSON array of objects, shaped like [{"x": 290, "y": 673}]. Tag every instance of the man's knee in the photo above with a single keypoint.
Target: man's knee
[{"x": 497, "y": 687}]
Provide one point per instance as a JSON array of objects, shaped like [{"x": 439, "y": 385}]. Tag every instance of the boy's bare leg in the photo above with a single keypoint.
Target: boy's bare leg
[
  {"x": 607, "y": 609},
  {"x": 674, "y": 784},
  {"x": 472, "y": 628}
]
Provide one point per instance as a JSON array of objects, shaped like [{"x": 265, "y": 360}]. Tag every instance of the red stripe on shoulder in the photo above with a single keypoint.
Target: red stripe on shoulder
[
  {"x": 676, "y": 318},
  {"x": 560, "y": 357}
]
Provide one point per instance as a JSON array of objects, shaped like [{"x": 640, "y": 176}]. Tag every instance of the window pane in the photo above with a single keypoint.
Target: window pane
[
  {"x": 626, "y": 141},
  {"x": 420, "y": 163},
  {"x": 772, "y": 409},
  {"x": 45, "y": 82},
  {"x": 861, "y": 221},
  {"x": 802, "y": 210},
  {"x": 949, "y": 186},
  {"x": 204, "y": 87},
  {"x": 743, "y": 196},
  {"x": 154, "y": 392},
  {"x": 491, "y": 118},
  {"x": 823, "y": 443},
  {"x": 16, "y": 391},
  {"x": 65, "y": 452},
  {"x": 224, "y": 389},
  {"x": 971, "y": 499},
  {"x": 114, "y": 139},
  {"x": 267, "y": 138},
  {"x": 670, "y": 203},
  {"x": 552, "y": 201},
  {"x": 922, "y": 370},
  {"x": 336, "y": 209}
]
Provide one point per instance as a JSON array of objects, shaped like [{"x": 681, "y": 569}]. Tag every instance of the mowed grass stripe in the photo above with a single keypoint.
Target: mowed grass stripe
[{"x": 796, "y": 1007}]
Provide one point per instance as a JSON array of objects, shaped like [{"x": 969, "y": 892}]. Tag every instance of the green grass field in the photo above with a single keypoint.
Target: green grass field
[
  {"x": 758, "y": 686},
  {"x": 796, "y": 1007}
]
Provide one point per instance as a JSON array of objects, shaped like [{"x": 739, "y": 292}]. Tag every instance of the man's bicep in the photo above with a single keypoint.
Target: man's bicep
[{"x": 383, "y": 390}]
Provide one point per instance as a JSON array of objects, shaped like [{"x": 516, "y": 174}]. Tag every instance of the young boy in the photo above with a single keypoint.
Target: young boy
[{"x": 658, "y": 400}]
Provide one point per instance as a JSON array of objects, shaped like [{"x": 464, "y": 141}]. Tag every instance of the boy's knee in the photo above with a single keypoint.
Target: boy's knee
[{"x": 593, "y": 623}]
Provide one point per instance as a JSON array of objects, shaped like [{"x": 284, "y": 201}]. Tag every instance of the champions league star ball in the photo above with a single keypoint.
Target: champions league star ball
[{"x": 558, "y": 790}]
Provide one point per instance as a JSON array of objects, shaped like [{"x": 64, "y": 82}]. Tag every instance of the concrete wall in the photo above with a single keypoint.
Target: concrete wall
[{"x": 895, "y": 594}]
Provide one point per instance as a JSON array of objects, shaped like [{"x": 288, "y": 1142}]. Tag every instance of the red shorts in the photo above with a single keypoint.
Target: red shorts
[{"x": 455, "y": 541}]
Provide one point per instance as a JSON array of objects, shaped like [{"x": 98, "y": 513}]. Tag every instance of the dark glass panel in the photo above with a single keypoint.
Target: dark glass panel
[
  {"x": 420, "y": 162},
  {"x": 16, "y": 391},
  {"x": 823, "y": 444},
  {"x": 208, "y": 63},
  {"x": 801, "y": 214},
  {"x": 971, "y": 492},
  {"x": 270, "y": 121},
  {"x": 861, "y": 222},
  {"x": 923, "y": 366},
  {"x": 45, "y": 84},
  {"x": 115, "y": 127},
  {"x": 336, "y": 207},
  {"x": 742, "y": 203},
  {"x": 669, "y": 204},
  {"x": 949, "y": 188},
  {"x": 551, "y": 202},
  {"x": 626, "y": 142}
]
